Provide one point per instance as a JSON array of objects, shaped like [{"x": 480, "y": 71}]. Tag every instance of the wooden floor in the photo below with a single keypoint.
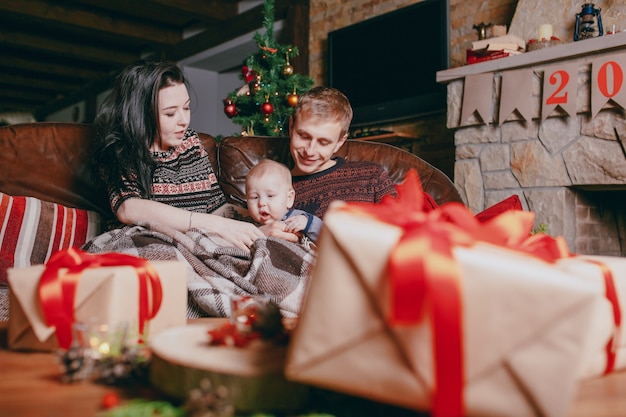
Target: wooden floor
[{"x": 30, "y": 387}]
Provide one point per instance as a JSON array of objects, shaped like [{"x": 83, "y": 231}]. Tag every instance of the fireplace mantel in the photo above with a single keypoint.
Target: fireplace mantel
[
  {"x": 565, "y": 51},
  {"x": 555, "y": 162}
]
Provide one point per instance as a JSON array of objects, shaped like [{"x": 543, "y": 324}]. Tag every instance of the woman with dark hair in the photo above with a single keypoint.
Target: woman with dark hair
[
  {"x": 164, "y": 192},
  {"x": 155, "y": 167}
]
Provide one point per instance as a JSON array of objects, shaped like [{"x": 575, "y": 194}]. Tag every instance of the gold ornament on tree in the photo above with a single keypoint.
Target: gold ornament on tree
[
  {"x": 292, "y": 98},
  {"x": 288, "y": 68},
  {"x": 257, "y": 84}
]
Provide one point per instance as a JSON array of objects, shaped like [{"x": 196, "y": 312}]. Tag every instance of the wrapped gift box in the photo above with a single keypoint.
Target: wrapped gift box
[
  {"x": 591, "y": 269},
  {"x": 104, "y": 295},
  {"x": 528, "y": 330}
]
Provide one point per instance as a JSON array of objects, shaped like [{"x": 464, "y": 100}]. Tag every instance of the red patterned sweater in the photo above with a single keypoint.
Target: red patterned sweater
[{"x": 352, "y": 181}]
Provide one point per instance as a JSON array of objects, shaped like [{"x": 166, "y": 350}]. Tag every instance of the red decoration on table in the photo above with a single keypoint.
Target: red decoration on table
[
  {"x": 228, "y": 334},
  {"x": 110, "y": 400},
  {"x": 252, "y": 318},
  {"x": 58, "y": 283}
]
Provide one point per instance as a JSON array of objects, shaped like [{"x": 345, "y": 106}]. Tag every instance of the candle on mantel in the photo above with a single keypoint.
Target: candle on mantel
[{"x": 545, "y": 32}]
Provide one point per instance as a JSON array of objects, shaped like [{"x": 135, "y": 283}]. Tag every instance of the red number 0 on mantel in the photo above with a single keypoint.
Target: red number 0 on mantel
[
  {"x": 617, "y": 78},
  {"x": 558, "y": 96}
]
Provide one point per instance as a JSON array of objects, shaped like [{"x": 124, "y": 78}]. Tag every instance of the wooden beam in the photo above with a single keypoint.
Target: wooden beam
[
  {"x": 216, "y": 35},
  {"x": 23, "y": 95},
  {"x": 87, "y": 92},
  {"x": 16, "y": 107},
  {"x": 41, "y": 10},
  {"x": 203, "y": 9},
  {"x": 154, "y": 13},
  {"x": 67, "y": 49},
  {"x": 37, "y": 83},
  {"x": 45, "y": 69},
  {"x": 296, "y": 32}
]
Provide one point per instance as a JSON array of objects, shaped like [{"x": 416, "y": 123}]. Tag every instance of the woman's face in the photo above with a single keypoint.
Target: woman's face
[{"x": 174, "y": 116}]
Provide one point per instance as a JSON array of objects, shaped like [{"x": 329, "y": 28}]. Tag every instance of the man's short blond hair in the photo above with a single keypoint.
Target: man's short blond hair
[{"x": 325, "y": 103}]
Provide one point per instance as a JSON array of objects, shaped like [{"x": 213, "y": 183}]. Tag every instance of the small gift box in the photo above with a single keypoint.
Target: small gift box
[
  {"x": 436, "y": 311},
  {"x": 112, "y": 289}
]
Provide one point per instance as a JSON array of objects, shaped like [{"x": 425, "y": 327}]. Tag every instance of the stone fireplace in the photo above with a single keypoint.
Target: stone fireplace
[{"x": 569, "y": 169}]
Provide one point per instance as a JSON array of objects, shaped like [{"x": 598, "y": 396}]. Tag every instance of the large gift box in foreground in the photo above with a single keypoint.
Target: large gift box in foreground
[
  {"x": 114, "y": 295},
  {"x": 608, "y": 274},
  {"x": 462, "y": 328}
]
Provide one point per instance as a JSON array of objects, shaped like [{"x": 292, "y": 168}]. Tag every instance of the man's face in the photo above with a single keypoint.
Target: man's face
[{"x": 312, "y": 143}]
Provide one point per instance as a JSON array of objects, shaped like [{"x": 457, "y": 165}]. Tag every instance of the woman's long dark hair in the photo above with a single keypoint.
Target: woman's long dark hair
[{"x": 127, "y": 123}]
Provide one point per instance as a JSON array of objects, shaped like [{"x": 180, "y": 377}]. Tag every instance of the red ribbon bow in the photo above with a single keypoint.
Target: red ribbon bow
[
  {"x": 58, "y": 283},
  {"x": 422, "y": 271}
]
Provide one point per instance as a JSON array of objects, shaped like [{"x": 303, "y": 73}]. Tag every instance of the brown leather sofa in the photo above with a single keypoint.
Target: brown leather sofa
[{"x": 52, "y": 161}]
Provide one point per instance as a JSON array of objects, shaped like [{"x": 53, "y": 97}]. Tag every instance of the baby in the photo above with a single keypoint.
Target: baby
[{"x": 270, "y": 197}]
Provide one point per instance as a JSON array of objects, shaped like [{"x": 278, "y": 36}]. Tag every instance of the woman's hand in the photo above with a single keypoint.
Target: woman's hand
[
  {"x": 278, "y": 229},
  {"x": 240, "y": 234}
]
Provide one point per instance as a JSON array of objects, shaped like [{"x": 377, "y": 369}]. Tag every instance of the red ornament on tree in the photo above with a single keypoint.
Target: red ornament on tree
[
  {"x": 267, "y": 108},
  {"x": 230, "y": 109}
]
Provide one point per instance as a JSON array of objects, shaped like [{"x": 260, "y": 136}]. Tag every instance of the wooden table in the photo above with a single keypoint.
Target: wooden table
[{"x": 30, "y": 387}]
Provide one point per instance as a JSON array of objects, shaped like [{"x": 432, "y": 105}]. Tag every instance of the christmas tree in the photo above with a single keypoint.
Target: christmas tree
[{"x": 262, "y": 106}]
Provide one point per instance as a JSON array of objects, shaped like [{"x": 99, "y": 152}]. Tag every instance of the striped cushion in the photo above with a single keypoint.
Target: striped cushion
[{"x": 31, "y": 230}]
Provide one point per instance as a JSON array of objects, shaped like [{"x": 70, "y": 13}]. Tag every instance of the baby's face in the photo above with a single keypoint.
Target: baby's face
[{"x": 268, "y": 197}]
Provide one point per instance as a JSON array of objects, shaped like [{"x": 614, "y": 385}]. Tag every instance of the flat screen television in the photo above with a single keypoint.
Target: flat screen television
[{"x": 387, "y": 65}]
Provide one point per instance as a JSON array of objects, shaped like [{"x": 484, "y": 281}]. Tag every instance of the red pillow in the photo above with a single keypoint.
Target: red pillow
[
  {"x": 511, "y": 203},
  {"x": 31, "y": 230}
]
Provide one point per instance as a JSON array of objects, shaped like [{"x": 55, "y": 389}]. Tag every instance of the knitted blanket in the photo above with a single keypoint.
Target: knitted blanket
[{"x": 216, "y": 270}]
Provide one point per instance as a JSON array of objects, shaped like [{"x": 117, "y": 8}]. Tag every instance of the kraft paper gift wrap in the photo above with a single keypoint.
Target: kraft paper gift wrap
[
  {"x": 103, "y": 295},
  {"x": 523, "y": 334}
]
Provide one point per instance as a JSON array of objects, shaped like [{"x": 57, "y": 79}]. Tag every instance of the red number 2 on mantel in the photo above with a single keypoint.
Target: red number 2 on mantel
[
  {"x": 604, "y": 79},
  {"x": 608, "y": 81},
  {"x": 558, "y": 96}
]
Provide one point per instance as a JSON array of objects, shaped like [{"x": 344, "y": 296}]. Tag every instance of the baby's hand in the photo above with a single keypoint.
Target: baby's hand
[
  {"x": 296, "y": 223},
  {"x": 278, "y": 229}
]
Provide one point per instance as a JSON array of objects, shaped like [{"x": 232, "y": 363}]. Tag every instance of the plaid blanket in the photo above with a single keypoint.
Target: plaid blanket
[{"x": 216, "y": 270}]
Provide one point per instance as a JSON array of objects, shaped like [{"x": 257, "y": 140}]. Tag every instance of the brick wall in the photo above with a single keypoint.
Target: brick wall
[
  {"x": 436, "y": 144},
  {"x": 329, "y": 15},
  {"x": 600, "y": 222}
]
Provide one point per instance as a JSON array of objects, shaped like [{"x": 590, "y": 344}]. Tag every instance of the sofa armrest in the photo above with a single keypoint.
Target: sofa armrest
[
  {"x": 397, "y": 162},
  {"x": 51, "y": 161}
]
